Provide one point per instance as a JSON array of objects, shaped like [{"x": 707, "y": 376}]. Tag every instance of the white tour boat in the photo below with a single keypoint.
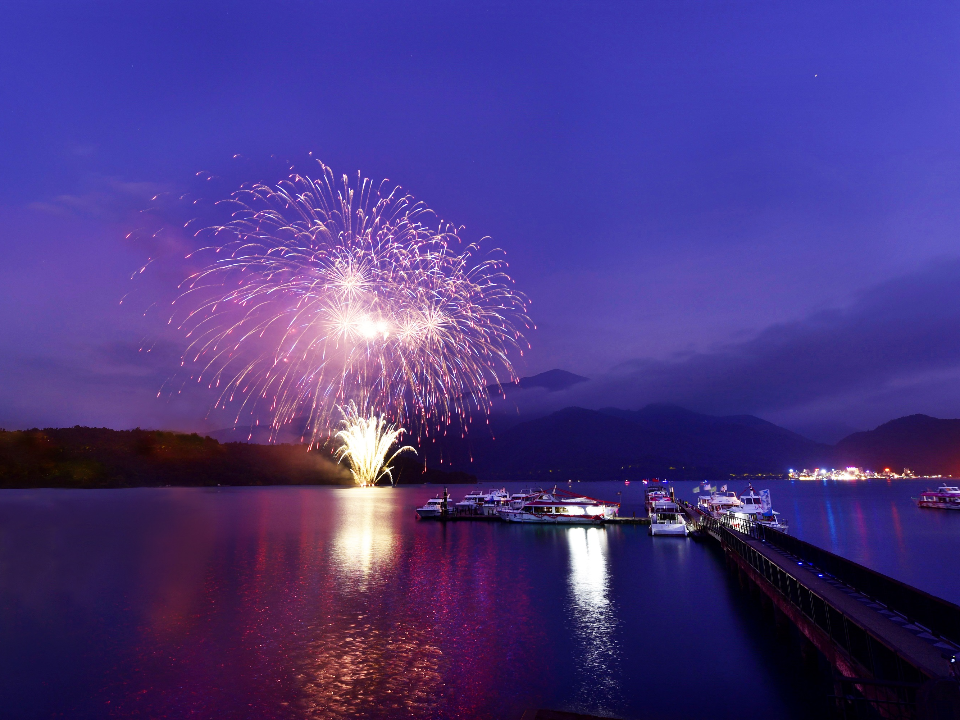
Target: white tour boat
[
  {"x": 517, "y": 500},
  {"x": 943, "y": 499},
  {"x": 434, "y": 507},
  {"x": 718, "y": 503},
  {"x": 655, "y": 493},
  {"x": 470, "y": 505},
  {"x": 558, "y": 508},
  {"x": 494, "y": 500},
  {"x": 482, "y": 502},
  {"x": 757, "y": 508},
  {"x": 666, "y": 518}
]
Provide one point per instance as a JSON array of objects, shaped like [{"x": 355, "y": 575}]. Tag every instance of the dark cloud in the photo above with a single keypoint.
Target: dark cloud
[
  {"x": 902, "y": 327},
  {"x": 120, "y": 384},
  {"x": 888, "y": 350}
]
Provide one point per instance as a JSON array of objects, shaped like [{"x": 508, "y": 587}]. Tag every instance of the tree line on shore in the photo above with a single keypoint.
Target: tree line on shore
[{"x": 84, "y": 457}]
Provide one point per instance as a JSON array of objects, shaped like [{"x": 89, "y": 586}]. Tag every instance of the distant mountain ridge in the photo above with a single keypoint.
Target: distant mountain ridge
[
  {"x": 574, "y": 443},
  {"x": 927, "y": 445},
  {"x": 668, "y": 441},
  {"x": 660, "y": 440},
  {"x": 551, "y": 381},
  {"x": 657, "y": 440}
]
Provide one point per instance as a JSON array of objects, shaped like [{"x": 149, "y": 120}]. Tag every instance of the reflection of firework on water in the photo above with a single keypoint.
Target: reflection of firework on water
[
  {"x": 366, "y": 443},
  {"x": 322, "y": 293}
]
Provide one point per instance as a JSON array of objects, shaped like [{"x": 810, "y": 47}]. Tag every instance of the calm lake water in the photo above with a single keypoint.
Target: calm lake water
[{"x": 337, "y": 603}]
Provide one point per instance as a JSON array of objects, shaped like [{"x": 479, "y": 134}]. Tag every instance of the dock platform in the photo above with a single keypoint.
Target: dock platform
[{"x": 893, "y": 645}]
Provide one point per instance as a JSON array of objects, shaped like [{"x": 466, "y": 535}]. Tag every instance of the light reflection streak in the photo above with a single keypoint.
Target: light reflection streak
[
  {"x": 594, "y": 617},
  {"x": 897, "y": 528},
  {"x": 862, "y": 530},
  {"x": 366, "y": 537},
  {"x": 832, "y": 524},
  {"x": 360, "y": 658}
]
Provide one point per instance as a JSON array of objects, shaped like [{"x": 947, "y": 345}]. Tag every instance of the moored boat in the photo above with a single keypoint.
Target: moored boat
[
  {"x": 666, "y": 518},
  {"x": 718, "y": 503},
  {"x": 493, "y": 500},
  {"x": 558, "y": 508},
  {"x": 437, "y": 507},
  {"x": 517, "y": 500},
  {"x": 655, "y": 493},
  {"x": 482, "y": 502},
  {"x": 757, "y": 508},
  {"x": 471, "y": 503}
]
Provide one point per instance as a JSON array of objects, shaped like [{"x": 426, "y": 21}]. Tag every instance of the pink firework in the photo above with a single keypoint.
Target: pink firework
[{"x": 322, "y": 293}]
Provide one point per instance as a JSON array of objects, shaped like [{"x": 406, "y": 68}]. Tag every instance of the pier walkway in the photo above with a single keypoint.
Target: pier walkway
[{"x": 894, "y": 646}]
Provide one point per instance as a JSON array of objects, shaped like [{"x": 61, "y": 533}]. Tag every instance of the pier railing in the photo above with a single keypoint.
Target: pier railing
[
  {"x": 932, "y": 613},
  {"x": 888, "y": 700}
]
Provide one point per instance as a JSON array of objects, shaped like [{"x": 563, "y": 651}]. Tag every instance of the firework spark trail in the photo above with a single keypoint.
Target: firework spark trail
[{"x": 324, "y": 293}]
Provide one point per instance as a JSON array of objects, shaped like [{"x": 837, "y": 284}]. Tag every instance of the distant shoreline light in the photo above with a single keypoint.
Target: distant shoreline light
[{"x": 855, "y": 473}]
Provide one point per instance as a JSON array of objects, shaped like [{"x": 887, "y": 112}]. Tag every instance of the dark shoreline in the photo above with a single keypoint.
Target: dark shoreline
[{"x": 81, "y": 457}]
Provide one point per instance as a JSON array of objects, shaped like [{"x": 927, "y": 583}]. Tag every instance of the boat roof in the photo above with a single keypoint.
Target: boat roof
[{"x": 563, "y": 497}]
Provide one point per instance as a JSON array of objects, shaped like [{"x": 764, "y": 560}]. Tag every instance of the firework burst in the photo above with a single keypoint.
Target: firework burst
[{"x": 322, "y": 294}]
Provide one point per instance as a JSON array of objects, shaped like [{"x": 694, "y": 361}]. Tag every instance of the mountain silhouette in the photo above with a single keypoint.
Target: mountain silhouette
[
  {"x": 927, "y": 445},
  {"x": 297, "y": 429},
  {"x": 551, "y": 380},
  {"x": 658, "y": 440}
]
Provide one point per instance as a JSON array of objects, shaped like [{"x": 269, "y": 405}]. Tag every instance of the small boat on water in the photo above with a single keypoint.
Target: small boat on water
[
  {"x": 946, "y": 497},
  {"x": 517, "y": 500},
  {"x": 482, "y": 502},
  {"x": 655, "y": 493},
  {"x": 493, "y": 500},
  {"x": 471, "y": 503},
  {"x": 718, "y": 503},
  {"x": 757, "y": 508},
  {"x": 559, "y": 507},
  {"x": 666, "y": 518},
  {"x": 433, "y": 509}
]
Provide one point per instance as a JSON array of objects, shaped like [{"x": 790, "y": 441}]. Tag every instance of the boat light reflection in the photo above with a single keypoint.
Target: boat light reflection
[{"x": 594, "y": 617}]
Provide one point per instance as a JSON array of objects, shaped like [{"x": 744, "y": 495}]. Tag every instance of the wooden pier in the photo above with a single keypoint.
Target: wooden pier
[{"x": 894, "y": 648}]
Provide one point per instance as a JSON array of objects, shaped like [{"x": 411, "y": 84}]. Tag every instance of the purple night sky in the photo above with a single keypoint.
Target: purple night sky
[{"x": 735, "y": 207}]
